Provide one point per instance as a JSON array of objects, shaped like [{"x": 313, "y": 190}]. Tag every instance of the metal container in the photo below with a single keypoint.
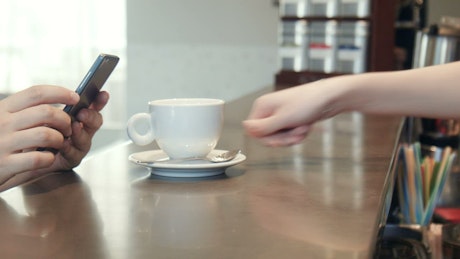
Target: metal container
[{"x": 435, "y": 45}]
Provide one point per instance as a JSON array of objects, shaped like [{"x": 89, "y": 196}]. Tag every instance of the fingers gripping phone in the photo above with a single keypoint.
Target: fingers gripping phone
[
  {"x": 90, "y": 86},
  {"x": 92, "y": 83}
]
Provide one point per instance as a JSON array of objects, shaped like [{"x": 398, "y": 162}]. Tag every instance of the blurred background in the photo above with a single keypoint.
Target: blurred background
[{"x": 184, "y": 48}]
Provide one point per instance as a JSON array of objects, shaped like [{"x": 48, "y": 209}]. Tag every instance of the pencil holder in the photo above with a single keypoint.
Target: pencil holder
[
  {"x": 419, "y": 235},
  {"x": 451, "y": 241}
]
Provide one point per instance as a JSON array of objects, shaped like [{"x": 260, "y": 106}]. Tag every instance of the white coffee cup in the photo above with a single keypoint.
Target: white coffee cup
[{"x": 182, "y": 128}]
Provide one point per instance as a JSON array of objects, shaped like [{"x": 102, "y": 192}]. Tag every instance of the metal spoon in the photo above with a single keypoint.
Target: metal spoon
[
  {"x": 225, "y": 156},
  {"x": 220, "y": 158}
]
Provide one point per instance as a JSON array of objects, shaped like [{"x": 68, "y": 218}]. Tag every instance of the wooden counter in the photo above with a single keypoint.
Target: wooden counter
[{"x": 320, "y": 199}]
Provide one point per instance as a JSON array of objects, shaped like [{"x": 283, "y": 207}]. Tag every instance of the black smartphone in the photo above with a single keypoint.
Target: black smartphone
[
  {"x": 90, "y": 86},
  {"x": 93, "y": 82}
]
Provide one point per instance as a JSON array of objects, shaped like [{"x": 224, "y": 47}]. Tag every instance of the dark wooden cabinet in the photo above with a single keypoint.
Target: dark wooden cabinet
[{"x": 380, "y": 48}]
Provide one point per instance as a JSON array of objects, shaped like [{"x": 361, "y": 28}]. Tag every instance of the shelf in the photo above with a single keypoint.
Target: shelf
[
  {"x": 287, "y": 79},
  {"x": 380, "y": 49},
  {"x": 323, "y": 18}
]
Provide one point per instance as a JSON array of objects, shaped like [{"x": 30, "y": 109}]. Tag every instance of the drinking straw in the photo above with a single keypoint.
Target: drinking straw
[
  {"x": 403, "y": 196},
  {"x": 440, "y": 181},
  {"x": 410, "y": 181},
  {"x": 437, "y": 164},
  {"x": 428, "y": 166},
  {"x": 420, "y": 182}
]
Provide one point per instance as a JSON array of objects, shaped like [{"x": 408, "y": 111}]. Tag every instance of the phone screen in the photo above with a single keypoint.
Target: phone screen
[{"x": 93, "y": 82}]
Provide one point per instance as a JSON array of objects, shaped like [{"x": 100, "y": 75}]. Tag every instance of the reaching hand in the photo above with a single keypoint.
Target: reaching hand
[{"x": 285, "y": 117}]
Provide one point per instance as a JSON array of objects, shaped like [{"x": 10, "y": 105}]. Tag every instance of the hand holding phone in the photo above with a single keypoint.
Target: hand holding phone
[
  {"x": 92, "y": 83},
  {"x": 90, "y": 86}
]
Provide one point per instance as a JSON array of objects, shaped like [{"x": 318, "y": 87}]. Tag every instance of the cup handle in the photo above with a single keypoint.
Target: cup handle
[{"x": 134, "y": 135}]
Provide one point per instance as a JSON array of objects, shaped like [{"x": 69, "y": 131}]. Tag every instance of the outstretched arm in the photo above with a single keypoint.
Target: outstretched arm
[{"x": 285, "y": 117}]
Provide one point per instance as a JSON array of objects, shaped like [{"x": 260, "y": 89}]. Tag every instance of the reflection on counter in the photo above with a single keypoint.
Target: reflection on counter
[
  {"x": 179, "y": 213},
  {"x": 53, "y": 205}
]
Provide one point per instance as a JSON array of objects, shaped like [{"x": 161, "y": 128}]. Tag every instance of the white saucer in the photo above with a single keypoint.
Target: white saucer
[{"x": 197, "y": 168}]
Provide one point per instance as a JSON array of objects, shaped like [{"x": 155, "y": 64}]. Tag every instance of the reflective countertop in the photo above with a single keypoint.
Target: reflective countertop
[{"x": 319, "y": 199}]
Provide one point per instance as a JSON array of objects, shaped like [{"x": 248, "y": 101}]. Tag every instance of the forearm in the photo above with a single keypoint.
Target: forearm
[{"x": 428, "y": 92}]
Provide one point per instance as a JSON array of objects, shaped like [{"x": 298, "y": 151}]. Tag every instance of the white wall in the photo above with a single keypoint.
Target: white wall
[{"x": 199, "y": 48}]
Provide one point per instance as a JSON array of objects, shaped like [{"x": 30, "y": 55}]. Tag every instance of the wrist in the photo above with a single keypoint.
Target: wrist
[
  {"x": 340, "y": 94},
  {"x": 355, "y": 92}
]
